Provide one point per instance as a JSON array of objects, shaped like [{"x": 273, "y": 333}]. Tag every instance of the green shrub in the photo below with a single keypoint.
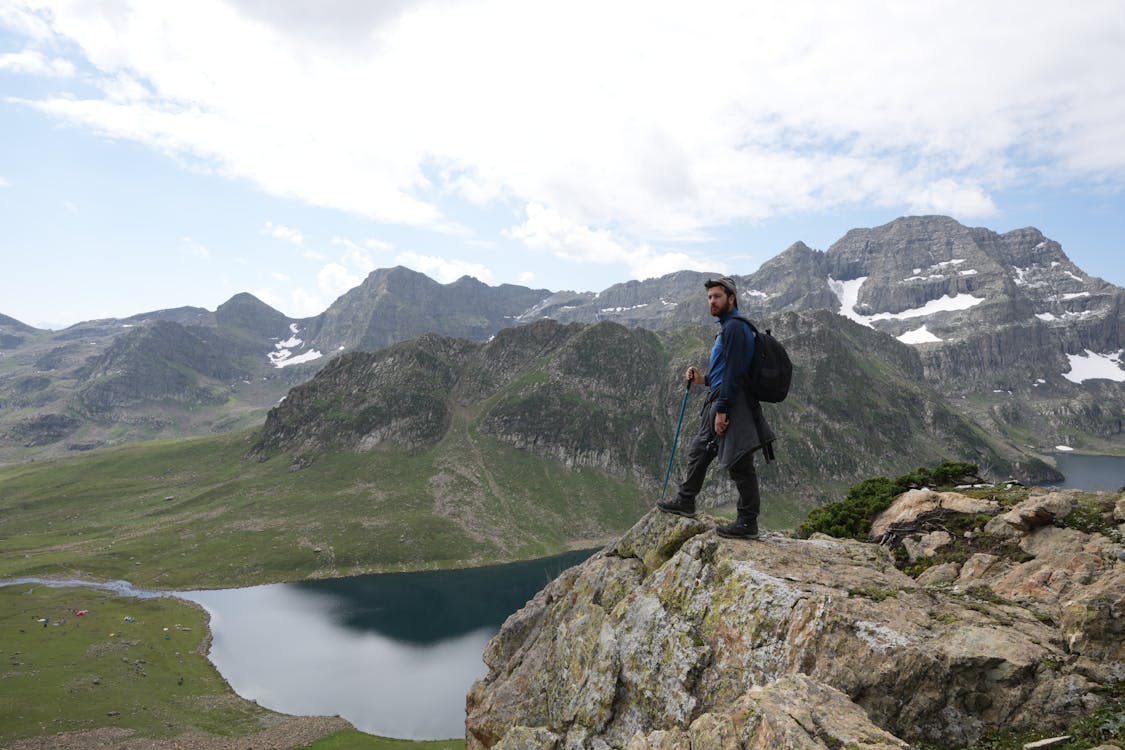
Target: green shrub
[
  {"x": 1091, "y": 514},
  {"x": 851, "y": 518}
]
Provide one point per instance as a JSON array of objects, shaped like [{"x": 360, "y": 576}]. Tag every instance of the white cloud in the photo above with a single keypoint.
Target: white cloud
[
  {"x": 667, "y": 125},
  {"x": 334, "y": 279},
  {"x": 25, "y": 21},
  {"x": 4, "y": 183},
  {"x": 33, "y": 62},
  {"x": 313, "y": 255},
  {"x": 444, "y": 270},
  {"x": 304, "y": 304},
  {"x": 196, "y": 249},
  {"x": 547, "y": 229},
  {"x": 358, "y": 256},
  {"x": 282, "y": 232},
  {"x": 946, "y": 196}
]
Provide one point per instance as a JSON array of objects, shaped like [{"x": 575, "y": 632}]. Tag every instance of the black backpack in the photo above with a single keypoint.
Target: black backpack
[{"x": 770, "y": 368}]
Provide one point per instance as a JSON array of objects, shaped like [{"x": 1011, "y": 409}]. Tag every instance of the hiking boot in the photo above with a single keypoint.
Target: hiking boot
[
  {"x": 743, "y": 528},
  {"x": 678, "y": 506}
]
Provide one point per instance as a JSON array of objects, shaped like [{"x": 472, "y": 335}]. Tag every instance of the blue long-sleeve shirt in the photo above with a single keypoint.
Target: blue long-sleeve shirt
[{"x": 730, "y": 361}]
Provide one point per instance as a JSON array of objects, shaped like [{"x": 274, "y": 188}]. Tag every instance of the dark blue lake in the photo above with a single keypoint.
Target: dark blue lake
[{"x": 393, "y": 654}]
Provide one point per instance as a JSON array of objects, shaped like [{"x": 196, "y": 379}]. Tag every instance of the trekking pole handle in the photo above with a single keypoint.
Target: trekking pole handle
[{"x": 690, "y": 377}]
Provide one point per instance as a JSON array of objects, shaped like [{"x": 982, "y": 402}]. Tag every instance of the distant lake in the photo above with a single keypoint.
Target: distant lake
[
  {"x": 1085, "y": 472},
  {"x": 394, "y": 654}
]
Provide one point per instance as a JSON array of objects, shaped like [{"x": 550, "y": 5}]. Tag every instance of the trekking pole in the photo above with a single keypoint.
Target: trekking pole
[{"x": 676, "y": 439}]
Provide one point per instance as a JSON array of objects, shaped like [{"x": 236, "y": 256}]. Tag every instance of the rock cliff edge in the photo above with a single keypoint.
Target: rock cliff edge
[{"x": 675, "y": 637}]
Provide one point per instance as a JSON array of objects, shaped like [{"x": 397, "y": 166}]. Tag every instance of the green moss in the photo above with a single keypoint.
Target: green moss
[
  {"x": 1092, "y": 514},
  {"x": 875, "y": 593}
]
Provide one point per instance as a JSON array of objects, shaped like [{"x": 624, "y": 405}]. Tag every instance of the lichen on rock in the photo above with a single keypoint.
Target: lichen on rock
[{"x": 675, "y": 637}]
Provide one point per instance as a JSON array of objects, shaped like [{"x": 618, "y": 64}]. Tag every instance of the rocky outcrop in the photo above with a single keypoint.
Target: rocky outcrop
[{"x": 675, "y": 637}]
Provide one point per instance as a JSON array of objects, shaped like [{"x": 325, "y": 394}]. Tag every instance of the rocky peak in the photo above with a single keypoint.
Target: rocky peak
[
  {"x": 249, "y": 313},
  {"x": 675, "y": 637},
  {"x": 398, "y": 304}
]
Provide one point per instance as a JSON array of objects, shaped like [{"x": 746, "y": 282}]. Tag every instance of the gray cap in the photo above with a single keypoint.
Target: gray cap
[{"x": 726, "y": 282}]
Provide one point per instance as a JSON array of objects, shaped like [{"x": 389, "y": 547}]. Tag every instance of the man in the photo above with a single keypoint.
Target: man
[{"x": 731, "y": 424}]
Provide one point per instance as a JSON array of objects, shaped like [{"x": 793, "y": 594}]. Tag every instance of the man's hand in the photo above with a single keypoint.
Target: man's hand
[
  {"x": 695, "y": 376},
  {"x": 722, "y": 422}
]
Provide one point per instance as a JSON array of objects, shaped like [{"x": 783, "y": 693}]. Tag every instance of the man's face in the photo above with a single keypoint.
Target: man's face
[{"x": 719, "y": 301}]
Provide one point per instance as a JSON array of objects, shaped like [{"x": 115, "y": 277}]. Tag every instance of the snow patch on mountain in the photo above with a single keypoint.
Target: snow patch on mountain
[
  {"x": 919, "y": 336},
  {"x": 283, "y": 355},
  {"x": 848, "y": 294},
  {"x": 1094, "y": 366}
]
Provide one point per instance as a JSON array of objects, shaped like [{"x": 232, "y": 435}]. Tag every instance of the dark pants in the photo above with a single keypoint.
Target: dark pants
[{"x": 704, "y": 448}]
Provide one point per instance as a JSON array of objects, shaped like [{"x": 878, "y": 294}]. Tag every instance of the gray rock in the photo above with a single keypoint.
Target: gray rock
[
  {"x": 939, "y": 574},
  {"x": 1036, "y": 511},
  {"x": 673, "y": 633}
]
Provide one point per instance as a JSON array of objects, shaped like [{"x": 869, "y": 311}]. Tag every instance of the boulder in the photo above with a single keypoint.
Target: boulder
[
  {"x": 926, "y": 545},
  {"x": 798, "y": 712},
  {"x": 913, "y": 505},
  {"x": 1036, "y": 511},
  {"x": 940, "y": 574}
]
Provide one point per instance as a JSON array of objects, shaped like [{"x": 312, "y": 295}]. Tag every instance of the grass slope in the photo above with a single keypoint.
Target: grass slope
[
  {"x": 352, "y": 740},
  {"x": 193, "y": 513},
  {"x": 73, "y": 673}
]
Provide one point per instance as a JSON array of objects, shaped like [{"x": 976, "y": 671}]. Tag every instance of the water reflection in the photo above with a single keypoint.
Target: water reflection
[
  {"x": 393, "y": 654},
  {"x": 431, "y": 606}
]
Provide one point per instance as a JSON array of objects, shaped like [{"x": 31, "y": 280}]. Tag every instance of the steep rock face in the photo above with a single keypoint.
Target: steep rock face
[
  {"x": 673, "y": 631},
  {"x": 583, "y": 414},
  {"x": 995, "y": 302},
  {"x": 157, "y": 362},
  {"x": 362, "y": 399},
  {"x": 797, "y": 279}
]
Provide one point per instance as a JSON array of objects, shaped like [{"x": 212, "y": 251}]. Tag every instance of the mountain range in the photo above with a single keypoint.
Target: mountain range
[{"x": 995, "y": 347}]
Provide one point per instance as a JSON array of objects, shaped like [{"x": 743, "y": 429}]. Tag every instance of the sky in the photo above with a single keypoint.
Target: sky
[{"x": 155, "y": 154}]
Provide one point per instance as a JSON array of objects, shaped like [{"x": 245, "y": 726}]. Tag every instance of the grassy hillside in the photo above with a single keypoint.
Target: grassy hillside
[{"x": 194, "y": 513}]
